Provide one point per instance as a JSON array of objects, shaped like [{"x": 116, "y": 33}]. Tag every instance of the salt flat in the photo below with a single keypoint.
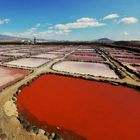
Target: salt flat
[
  {"x": 28, "y": 62},
  {"x": 15, "y": 54},
  {"x": 95, "y": 69},
  {"x": 47, "y": 55}
]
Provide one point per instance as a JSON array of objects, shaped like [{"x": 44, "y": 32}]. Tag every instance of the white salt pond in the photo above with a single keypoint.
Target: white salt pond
[
  {"x": 49, "y": 56},
  {"x": 86, "y": 50},
  {"x": 28, "y": 62},
  {"x": 15, "y": 54},
  {"x": 95, "y": 69}
]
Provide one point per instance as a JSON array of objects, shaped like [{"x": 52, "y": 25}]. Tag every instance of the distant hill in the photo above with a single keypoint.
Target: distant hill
[
  {"x": 7, "y": 37},
  {"x": 104, "y": 40}
]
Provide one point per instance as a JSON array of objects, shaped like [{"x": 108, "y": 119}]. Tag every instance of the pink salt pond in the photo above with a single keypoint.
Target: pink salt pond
[
  {"x": 129, "y": 60},
  {"x": 95, "y": 69},
  {"x": 10, "y": 75},
  {"x": 125, "y": 55},
  {"x": 86, "y": 53},
  {"x": 15, "y": 54},
  {"x": 85, "y": 58},
  {"x": 48, "y": 56},
  {"x": 137, "y": 68},
  {"x": 57, "y": 52},
  {"x": 4, "y": 58},
  {"x": 65, "y": 49},
  {"x": 29, "y": 62},
  {"x": 86, "y": 50}
]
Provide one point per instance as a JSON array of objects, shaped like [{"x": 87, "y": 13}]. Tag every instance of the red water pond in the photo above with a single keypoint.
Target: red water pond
[{"x": 82, "y": 109}]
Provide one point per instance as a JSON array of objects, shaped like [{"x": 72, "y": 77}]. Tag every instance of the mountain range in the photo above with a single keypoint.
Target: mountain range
[
  {"x": 7, "y": 37},
  {"x": 104, "y": 40}
]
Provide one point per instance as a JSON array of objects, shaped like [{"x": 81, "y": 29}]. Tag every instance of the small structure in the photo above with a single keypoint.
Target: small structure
[{"x": 34, "y": 41}]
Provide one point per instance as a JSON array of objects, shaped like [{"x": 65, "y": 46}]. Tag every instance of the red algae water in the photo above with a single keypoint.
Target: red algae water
[{"x": 82, "y": 109}]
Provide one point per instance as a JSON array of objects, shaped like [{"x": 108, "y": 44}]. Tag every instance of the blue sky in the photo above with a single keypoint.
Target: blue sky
[{"x": 71, "y": 19}]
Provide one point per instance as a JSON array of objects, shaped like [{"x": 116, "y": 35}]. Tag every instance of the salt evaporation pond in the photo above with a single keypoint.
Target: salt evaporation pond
[
  {"x": 29, "y": 62},
  {"x": 95, "y": 69},
  {"x": 130, "y": 60},
  {"x": 15, "y": 54},
  {"x": 85, "y": 58},
  {"x": 137, "y": 68},
  {"x": 48, "y": 56},
  {"x": 10, "y": 75},
  {"x": 4, "y": 58},
  {"x": 81, "y": 109}
]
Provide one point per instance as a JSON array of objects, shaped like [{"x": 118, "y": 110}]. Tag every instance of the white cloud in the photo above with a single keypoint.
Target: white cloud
[
  {"x": 58, "y": 29},
  {"x": 79, "y": 23},
  {"x": 86, "y": 19},
  {"x": 111, "y": 16},
  {"x": 27, "y": 34},
  {"x": 30, "y": 33},
  {"x": 125, "y": 33},
  {"x": 37, "y": 25},
  {"x": 4, "y": 21},
  {"x": 129, "y": 20}
]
